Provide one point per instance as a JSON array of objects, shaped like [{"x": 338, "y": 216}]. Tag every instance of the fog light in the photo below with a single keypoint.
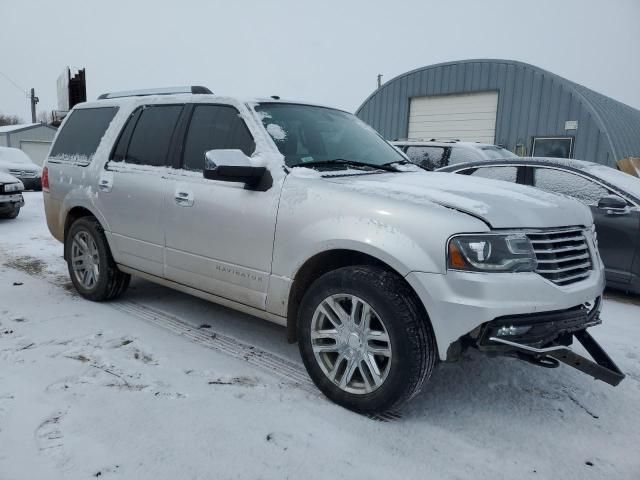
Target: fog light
[{"x": 511, "y": 331}]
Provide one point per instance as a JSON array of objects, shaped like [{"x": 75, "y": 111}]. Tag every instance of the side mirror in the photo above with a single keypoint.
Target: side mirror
[
  {"x": 613, "y": 204},
  {"x": 235, "y": 166}
]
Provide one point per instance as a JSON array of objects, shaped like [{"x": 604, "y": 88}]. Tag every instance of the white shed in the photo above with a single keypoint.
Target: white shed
[{"x": 34, "y": 139}]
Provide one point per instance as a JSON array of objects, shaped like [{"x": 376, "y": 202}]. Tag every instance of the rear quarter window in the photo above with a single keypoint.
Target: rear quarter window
[{"x": 81, "y": 134}]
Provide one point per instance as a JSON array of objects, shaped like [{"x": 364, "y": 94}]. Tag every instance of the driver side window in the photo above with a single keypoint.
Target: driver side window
[{"x": 214, "y": 127}]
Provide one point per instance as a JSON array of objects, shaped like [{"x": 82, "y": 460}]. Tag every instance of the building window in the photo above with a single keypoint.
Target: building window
[{"x": 558, "y": 147}]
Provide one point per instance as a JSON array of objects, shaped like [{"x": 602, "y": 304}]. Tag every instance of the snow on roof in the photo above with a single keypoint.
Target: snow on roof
[{"x": 22, "y": 126}]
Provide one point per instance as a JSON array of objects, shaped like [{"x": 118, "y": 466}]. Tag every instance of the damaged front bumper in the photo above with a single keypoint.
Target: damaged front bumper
[{"x": 543, "y": 339}]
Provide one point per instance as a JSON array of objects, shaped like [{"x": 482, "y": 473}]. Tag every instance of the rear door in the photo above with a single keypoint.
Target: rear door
[
  {"x": 219, "y": 235},
  {"x": 617, "y": 233},
  {"x": 130, "y": 190}
]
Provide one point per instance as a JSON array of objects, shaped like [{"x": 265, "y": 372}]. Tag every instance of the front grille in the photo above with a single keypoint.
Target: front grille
[
  {"x": 563, "y": 256},
  {"x": 22, "y": 173}
]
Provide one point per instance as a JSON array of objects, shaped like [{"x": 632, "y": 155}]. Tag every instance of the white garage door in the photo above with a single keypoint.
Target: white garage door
[
  {"x": 467, "y": 117},
  {"x": 37, "y": 151}
]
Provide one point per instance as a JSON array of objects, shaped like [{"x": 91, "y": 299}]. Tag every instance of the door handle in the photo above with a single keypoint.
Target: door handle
[
  {"x": 183, "y": 198},
  {"x": 105, "y": 183}
]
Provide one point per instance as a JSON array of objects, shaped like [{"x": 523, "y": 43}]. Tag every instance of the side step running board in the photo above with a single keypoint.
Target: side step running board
[{"x": 603, "y": 368}]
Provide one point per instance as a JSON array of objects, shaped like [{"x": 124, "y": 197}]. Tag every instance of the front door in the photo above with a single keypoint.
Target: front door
[{"x": 219, "y": 235}]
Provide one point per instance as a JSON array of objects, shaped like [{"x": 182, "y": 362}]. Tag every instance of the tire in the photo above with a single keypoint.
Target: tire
[
  {"x": 110, "y": 282},
  {"x": 11, "y": 215},
  {"x": 392, "y": 308}
]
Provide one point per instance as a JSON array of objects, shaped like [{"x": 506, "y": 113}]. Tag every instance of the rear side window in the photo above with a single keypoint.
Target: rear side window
[
  {"x": 506, "y": 174},
  {"x": 151, "y": 137},
  {"x": 214, "y": 127},
  {"x": 82, "y": 132},
  {"x": 461, "y": 154},
  {"x": 580, "y": 188},
  {"x": 428, "y": 157}
]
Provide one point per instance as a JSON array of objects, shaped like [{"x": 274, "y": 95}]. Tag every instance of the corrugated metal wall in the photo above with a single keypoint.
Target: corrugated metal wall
[{"x": 531, "y": 102}]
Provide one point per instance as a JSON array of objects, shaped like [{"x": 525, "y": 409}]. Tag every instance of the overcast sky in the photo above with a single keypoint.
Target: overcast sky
[{"x": 326, "y": 51}]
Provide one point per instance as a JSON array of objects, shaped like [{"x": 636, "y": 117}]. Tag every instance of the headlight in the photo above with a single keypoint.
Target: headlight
[
  {"x": 13, "y": 187},
  {"x": 491, "y": 253}
]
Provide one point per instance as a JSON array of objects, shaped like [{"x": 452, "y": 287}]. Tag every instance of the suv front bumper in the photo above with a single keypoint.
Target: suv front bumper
[
  {"x": 521, "y": 315},
  {"x": 459, "y": 302}
]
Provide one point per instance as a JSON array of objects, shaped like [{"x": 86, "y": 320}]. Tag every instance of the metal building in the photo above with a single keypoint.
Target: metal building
[
  {"x": 519, "y": 106},
  {"x": 32, "y": 138}
]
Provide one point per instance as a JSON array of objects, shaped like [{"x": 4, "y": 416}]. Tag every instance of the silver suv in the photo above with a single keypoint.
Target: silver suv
[{"x": 304, "y": 216}]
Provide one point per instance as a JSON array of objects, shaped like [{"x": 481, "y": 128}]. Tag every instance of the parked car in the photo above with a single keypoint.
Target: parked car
[
  {"x": 434, "y": 154},
  {"x": 11, "y": 200},
  {"x": 304, "y": 216},
  {"x": 17, "y": 163},
  {"x": 613, "y": 197}
]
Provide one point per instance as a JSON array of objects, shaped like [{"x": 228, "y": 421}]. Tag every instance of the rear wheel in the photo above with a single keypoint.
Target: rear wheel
[
  {"x": 92, "y": 269},
  {"x": 364, "y": 338}
]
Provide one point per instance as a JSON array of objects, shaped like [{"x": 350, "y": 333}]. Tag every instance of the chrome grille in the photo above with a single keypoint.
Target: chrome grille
[
  {"x": 563, "y": 256},
  {"x": 22, "y": 173}
]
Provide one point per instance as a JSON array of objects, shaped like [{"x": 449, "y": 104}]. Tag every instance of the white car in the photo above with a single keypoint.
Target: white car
[
  {"x": 17, "y": 163},
  {"x": 11, "y": 200},
  {"x": 304, "y": 216},
  {"x": 433, "y": 154}
]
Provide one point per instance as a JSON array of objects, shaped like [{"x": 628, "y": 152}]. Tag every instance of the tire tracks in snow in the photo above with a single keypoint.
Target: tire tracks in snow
[
  {"x": 290, "y": 372},
  {"x": 286, "y": 370},
  {"x": 278, "y": 366}
]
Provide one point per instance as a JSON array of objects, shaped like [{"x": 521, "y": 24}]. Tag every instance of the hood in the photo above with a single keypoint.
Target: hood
[
  {"x": 6, "y": 178},
  {"x": 5, "y": 166},
  {"x": 499, "y": 204}
]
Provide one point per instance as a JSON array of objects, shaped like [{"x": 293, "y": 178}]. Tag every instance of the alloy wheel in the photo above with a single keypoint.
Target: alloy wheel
[
  {"x": 85, "y": 259},
  {"x": 350, "y": 343}
]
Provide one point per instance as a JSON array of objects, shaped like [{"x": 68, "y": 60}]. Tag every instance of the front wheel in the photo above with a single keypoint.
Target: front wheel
[
  {"x": 12, "y": 214},
  {"x": 364, "y": 338},
  {"x": 92, "y": 269}
]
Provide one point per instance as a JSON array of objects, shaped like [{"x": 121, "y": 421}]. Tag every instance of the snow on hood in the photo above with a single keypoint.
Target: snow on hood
[
  {"x": 6, "y": 178},
  {"x": 500, "y": 204}
]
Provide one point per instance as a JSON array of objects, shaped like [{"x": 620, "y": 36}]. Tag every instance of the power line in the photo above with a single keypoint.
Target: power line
[{"x": 15, "y": 84}]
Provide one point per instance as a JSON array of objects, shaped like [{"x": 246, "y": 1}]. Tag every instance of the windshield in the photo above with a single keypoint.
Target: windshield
[
  {"x": 309, "y": 134},
  {"x": 493, "y": 152},
  {"x": 624, "y": 181},
  {"x": 13, "y": 155}
]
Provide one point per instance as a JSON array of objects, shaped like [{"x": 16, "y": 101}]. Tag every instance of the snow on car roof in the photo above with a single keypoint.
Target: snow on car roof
[
  {"x": 190, "y": 98},
  {"x": 11, "y": 128}
]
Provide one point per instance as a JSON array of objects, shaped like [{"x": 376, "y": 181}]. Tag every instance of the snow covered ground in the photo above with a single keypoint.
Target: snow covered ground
[{"x": 162, "y": 385}]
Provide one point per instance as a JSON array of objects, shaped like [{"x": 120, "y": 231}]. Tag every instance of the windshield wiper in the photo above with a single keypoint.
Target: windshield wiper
[{"x": 345, "y": 162}]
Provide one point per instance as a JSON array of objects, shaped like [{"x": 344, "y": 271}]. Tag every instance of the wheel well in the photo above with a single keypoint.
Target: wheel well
[
  {"x": 317, "y": 266},
  {"x": 72, "y": 215}
]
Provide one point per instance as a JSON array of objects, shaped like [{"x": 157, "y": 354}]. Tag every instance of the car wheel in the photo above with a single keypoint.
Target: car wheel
[
  {"x": 92, "y": 269},
  {"x": 11, "y": 215},
  {"x": 364, "y": 338}
]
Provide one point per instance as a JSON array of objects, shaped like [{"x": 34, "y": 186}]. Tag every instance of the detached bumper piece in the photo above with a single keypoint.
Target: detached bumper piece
[
  {"x": 603, "y": 368},
  {"x": 543, "y": 339}
]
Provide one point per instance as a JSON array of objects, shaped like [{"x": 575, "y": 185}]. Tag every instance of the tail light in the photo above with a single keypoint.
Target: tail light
[{"x": 45, "y": 179}]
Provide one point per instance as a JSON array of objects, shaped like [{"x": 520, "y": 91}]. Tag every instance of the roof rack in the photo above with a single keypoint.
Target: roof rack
[
  {"x": 442, "y": 140},
  {"x": 194, "y": 89}
]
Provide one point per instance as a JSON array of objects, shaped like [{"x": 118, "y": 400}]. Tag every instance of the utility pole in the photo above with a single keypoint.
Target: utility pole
[
  {"x": 379, "y": 80},
  {"x": 34, "y": 100}
]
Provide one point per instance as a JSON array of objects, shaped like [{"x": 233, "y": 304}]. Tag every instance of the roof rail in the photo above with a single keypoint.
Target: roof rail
[
  {"x": 195, "y": 89},
  {"x": 441, "y": 140}
]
